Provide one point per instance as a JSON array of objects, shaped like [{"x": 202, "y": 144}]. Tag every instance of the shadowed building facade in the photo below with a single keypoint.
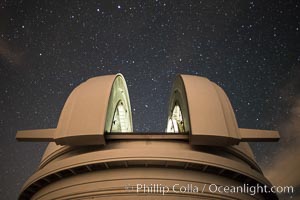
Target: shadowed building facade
[{"x": 94, "y": 154}]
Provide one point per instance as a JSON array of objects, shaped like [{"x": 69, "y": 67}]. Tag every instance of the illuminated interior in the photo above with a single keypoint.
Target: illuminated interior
[
  {"x": 121, "y": 119},
  {"x": 118, "y": 116},
  {"x": 175, "y": 122}
]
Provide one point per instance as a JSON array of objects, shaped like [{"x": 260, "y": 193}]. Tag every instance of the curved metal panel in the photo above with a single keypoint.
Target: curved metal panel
[
  {"x": 207, "y": 112},
  {"x": 88, "y": 111}
]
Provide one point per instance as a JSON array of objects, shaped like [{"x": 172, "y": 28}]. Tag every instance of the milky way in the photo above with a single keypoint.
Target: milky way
[{"x": 250, "y": 48}]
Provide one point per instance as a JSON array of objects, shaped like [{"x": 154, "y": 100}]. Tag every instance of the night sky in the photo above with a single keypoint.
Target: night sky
[{"x": 250, "y": 48}]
